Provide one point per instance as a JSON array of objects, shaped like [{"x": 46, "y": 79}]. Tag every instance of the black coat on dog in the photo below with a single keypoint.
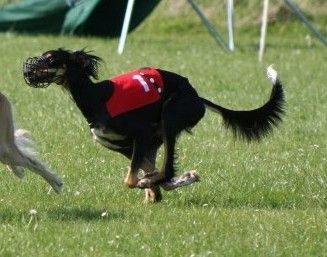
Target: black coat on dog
[{"x": 138, "y": 133}]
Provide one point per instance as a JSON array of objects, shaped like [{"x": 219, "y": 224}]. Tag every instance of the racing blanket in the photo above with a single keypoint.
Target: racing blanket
[{"x": 134, "y": 89}]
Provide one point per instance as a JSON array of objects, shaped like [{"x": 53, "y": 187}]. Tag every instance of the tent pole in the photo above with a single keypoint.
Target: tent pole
[
  {"x": 230, "y": 21},
  {"x": 125, "y": 27},
  {"x": 215, "y": 34},
  {"x": 297, "y": 11},
  {"x": 263, "y": 29}
]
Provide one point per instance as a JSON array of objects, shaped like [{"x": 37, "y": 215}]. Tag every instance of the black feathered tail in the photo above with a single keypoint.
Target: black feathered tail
[{"x": 255, "y": 124}]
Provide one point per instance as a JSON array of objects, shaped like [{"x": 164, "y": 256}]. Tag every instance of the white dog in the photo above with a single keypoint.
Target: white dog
[{"x": 17, "y": 151}]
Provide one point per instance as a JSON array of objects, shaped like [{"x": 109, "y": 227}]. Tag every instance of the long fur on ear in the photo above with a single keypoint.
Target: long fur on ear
[{"x": 88, "y": 63}]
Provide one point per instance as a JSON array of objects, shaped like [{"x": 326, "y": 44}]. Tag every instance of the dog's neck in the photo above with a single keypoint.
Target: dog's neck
[{"x": 90, "y": 97}]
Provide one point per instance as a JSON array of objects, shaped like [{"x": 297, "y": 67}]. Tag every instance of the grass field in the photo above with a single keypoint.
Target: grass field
[{"x": 266, "y": 199}]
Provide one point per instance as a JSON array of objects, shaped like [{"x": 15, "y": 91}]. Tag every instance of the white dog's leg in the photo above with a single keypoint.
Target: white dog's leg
[
  {"x": 6, "y": 124},
  {"x": 28, "y": 157},
  {"x": 42, "y": 170},
  {"x": 16, "y": 148}
]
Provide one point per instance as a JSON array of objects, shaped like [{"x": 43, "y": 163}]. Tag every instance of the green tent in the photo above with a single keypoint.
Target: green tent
[{"x": 79, "y": 17}]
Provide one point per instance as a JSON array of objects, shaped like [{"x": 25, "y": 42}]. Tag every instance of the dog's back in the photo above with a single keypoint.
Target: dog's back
[{"x": 175, "y": 83}]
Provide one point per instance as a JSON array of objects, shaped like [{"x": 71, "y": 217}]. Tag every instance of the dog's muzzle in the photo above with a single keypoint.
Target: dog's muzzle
[{"x": 38, "y": 74}]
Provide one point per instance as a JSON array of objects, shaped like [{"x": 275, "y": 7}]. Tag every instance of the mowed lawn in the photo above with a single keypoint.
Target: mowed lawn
[{"x": 258, "y": 199}]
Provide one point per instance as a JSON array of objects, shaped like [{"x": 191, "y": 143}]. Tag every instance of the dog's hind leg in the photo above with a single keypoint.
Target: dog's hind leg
[
  {"x": 168, "y": 169},
  {"x": 181, "y": 112}
]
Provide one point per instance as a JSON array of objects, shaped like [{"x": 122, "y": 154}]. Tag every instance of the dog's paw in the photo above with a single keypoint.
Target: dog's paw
[
  {"x": 57, "y": 184},
  {"x": 144, "y": 183},
  {"x": 152, "y": 195}
]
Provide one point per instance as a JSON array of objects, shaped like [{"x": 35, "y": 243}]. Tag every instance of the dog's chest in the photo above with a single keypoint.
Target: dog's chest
[{"x": 107, "y": 137}]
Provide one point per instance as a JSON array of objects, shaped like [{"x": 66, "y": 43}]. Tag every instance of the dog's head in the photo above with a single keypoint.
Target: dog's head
[{"x": 58, "y": 66}]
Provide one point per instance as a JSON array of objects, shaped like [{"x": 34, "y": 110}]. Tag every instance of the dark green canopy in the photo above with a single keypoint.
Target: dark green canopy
[{"x": 80, "y": 17}]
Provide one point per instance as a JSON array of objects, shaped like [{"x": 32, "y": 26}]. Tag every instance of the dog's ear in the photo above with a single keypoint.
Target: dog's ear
[{"x": 87, "y": 62}]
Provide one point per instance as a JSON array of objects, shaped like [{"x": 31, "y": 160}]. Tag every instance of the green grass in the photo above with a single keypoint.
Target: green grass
[{"x": 266, "y": 199}]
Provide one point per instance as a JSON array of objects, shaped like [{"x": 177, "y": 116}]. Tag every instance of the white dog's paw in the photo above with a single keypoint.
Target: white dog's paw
[
  {"x": 57, "y": 184},
  {"x": 17, "y": 170}
]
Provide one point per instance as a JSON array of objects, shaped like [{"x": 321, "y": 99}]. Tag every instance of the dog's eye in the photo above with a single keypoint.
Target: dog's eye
[{"x": 51, "y": 60}]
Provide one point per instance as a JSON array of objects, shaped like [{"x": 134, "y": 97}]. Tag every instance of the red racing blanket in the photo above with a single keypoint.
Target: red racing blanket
[{"x": 133, "y": 90}]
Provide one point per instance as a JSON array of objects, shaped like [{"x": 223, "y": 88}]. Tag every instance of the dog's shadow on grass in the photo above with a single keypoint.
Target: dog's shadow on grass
[
  {"x": 10, "y": 215},
  {"x": 244, "y": 202},
  {"x": 84, "y": 213}
]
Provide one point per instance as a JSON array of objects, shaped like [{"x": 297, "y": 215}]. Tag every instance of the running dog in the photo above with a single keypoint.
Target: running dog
[
  {"x": 137, "y": 112},
  {"x": 17, "y": 150}
]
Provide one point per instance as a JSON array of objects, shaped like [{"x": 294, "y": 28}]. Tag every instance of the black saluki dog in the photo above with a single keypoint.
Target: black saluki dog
[{"x": 135, "y": 113}]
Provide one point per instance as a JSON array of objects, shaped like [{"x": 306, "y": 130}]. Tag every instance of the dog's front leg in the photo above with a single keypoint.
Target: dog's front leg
[
  {"x": 152, "y": 194},
  {"x": 131, "y": 180}
]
